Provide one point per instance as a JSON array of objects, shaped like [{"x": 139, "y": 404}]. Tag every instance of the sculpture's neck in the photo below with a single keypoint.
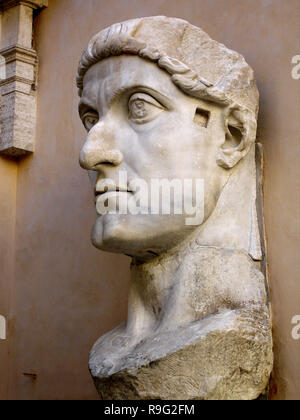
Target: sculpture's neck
[
  {"x": 155, "y": 288},
  {"x": 160, "y": 295}
]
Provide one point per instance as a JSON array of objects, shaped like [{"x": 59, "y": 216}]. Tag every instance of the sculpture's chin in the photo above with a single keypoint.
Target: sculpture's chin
[
  {"x": 140, "y": 236},
  {"x": 97, "y": 233}
]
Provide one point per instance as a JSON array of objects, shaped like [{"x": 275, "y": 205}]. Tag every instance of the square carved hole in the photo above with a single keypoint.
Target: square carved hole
[{"x": 202, "y": 117}]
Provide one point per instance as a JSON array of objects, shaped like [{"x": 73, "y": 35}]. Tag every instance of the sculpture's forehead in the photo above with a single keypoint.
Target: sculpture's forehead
[{"x": 113, "y": 74}]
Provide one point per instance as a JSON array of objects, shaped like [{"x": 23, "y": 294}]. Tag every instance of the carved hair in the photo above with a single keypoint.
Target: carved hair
[
  {"x": 185, "y": 78},
  {"x": 182, "y": 76},
  {"x": 117, "y": 40}
]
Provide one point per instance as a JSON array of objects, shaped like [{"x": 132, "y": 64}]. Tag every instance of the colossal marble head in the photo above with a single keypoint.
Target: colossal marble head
[
  {"x": 171, "y": 114},
  {"x": 162, "y": 101}
]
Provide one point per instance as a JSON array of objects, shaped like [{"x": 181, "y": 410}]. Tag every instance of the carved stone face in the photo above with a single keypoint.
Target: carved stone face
[{"x": 140, "y": 123}]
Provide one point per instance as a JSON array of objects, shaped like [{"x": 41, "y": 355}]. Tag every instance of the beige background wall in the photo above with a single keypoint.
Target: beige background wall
[
  {"x": 8, "y": 184},
  {"x": 62, "y": 293}
]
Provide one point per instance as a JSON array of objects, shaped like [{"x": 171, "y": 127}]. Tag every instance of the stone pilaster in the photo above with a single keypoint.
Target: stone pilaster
[{"x": 18, "y": 77}]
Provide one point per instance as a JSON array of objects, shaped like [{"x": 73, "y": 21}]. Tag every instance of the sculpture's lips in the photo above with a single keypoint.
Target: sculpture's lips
[{"x": 108, "y": 190}]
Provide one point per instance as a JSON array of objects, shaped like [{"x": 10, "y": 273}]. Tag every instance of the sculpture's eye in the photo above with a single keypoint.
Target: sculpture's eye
[
  {"x": 143, "y": 108},
  {"x": 90, "y": 119}
]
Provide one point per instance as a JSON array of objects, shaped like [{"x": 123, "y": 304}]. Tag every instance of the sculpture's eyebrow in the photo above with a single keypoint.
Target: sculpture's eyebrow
[
  {"x": 114, "y": 95},
  {"x": 86, "y": 105}
]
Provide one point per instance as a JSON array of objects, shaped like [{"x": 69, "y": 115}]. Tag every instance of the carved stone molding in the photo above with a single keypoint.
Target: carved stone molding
[
  {"x": 18, "y": 77},
  {"x": 35, "y": 4}
]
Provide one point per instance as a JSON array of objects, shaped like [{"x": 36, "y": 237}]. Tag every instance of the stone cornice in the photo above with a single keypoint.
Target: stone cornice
[
  {"x": 34, "y": 4},
  {"x": 16, "y": 52},
  {"x": 14, "y": 79}
]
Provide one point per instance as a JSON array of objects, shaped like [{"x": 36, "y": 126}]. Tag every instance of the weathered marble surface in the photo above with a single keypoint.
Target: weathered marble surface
[
  {"x": 226, "y": 354},
  {"x": 160, "y": 99}
]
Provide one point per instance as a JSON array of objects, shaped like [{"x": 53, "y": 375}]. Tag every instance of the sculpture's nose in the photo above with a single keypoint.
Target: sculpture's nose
[{"x": 98, "y": 148}]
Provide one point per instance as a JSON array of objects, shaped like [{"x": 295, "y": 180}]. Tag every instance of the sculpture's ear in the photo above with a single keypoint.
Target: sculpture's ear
[{"x": 240, "y": 134}]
